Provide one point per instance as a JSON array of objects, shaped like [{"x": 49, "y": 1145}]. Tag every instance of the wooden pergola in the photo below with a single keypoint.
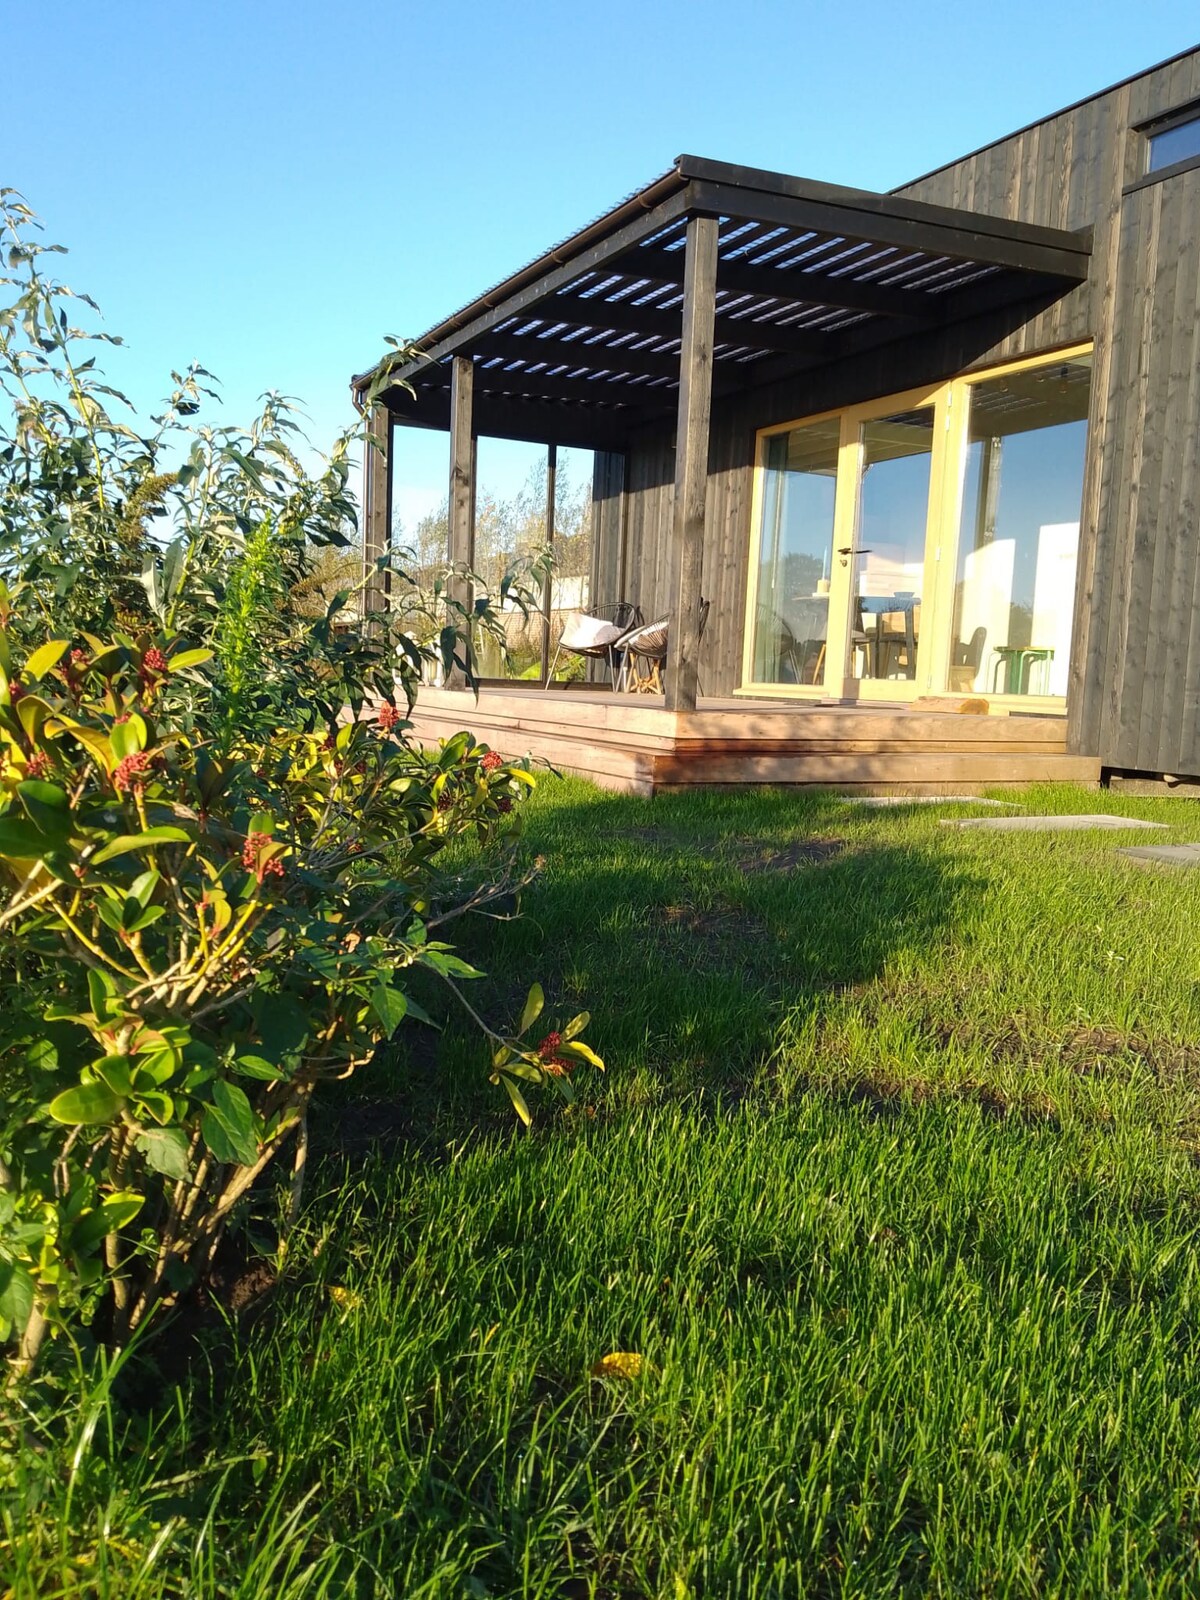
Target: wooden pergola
[{"x": 713, "y": 280}]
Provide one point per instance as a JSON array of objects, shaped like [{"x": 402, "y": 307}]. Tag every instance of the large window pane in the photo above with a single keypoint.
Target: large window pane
[
  {"x": 796, "y": 554},
  {"x": 892, "y": 517},
  {"x": 1019, "y": 531}
]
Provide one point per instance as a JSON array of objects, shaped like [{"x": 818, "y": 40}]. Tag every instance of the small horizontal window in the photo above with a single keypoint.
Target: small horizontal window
[{"x": 1179, "y": 143}]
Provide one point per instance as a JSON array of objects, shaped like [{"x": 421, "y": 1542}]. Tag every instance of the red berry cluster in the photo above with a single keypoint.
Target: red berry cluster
[
  {"x": 38, "y": 765},
  {"x": 252, "y": 852},
  {"x": 389, "y": 716},
  {"x": 445, "y": 800},
  {"x": 133, "y": 772},
  {"x": 491, "y": 761},
  {"x": 15, "y": 691},
  {"x": 79, "y": 659},
  {"x": 551, "y": 1060},
  {"x": 504, "y": 805},
  {"x": 154, "y": 661}
]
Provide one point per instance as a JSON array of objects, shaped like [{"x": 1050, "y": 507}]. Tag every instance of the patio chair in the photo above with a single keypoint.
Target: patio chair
[
  {"x": 646, "y": 655},
  {"x": 595, "y": 637},
  {"x": 786, "y": 654}
]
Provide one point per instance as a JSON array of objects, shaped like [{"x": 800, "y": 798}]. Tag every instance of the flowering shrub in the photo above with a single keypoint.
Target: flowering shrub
[
  {"x": 217, "y": 862},
  {"x": 195, "y": 943}
]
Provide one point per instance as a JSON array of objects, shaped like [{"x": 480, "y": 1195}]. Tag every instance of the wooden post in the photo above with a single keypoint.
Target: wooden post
[
  {"x": 551, "y": 501},
  {"x": 462, "y": 482},
  {"x": 691, "y": 461},
  {"x": 377, "y": 506}
]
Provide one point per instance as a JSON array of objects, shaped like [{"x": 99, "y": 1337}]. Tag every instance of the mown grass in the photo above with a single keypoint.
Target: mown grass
[{"x": 892, "y": 1183}]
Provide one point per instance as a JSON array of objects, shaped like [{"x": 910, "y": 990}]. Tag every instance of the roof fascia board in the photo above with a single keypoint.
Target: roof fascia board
[{"x": 910, "y": 224}]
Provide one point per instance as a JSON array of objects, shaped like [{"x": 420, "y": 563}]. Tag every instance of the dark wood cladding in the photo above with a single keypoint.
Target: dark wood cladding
[{"x": 1134, "y": 694}]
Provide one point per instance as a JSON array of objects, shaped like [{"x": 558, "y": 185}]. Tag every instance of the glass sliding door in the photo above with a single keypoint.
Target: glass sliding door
[
  {"x": 1018, "y": 534},
  {"x": 889, "y": 548},
  {"x": 924, "y": 542},
  {"x": 790, "y": 622}
]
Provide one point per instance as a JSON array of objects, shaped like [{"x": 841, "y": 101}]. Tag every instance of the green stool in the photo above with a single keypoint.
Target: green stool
[{"x": 1018, "y": 662}]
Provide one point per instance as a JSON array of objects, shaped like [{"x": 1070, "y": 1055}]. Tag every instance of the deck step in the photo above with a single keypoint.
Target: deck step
[{"x": 622, "y": 743}]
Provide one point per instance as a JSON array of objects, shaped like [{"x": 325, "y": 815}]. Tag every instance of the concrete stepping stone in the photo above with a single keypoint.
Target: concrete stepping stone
[
  {"x": 1048, "y": 824},
  {"x": 1171, "y": 855},
  {"x": 882, "y": 800}
]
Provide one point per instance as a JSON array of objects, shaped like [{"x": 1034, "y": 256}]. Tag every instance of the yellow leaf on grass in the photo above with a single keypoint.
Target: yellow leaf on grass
[
  {"x": 619, "y": 1364},
  {"x": 344, "y": 1299}
]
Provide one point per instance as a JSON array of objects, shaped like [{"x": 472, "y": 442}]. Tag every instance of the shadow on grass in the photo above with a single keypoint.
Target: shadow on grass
[{"x": 688, "y": 927}]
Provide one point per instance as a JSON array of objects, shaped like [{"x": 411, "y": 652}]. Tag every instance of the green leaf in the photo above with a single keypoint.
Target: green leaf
[
  {"x": 16, "y": 1294},
  {"x": 390, "y": 1006},
  {"x": 86, "y": 1103},
  {"x": 159, "y": 1105},
  {"x": 127, "y": 842},
  {"x": 156, "y": 1067},
  {"x": 21, "y": 840},
  {"x": 101, "y": 991},
  {"x": 578, "y": 1048},
  {"x": 576, "y": 1025},
  {"x": 517, "y": 1098},
  {"x": 165, "y": 1151},
  {"x": 143, "y": 886},
  {"x": 450, "y": 966},
  {"x": 534, "y": 1003},
  {"x": 46, "y": 657},
  {"x": 114, "y": 1071},
  {"x": 127, "y": 738},
  {"x": 231, "y": 1110},
  {"x": 189, "y": 658},
  {"x": 48, "y": 796},
  {"x": 114, "y": 1212},
  {"x": 259, "y": 1067},
  {"x": 43, "y": 1053}
]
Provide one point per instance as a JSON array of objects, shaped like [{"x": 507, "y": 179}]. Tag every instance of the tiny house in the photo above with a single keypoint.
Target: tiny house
[{"x": 911, "y": 481}]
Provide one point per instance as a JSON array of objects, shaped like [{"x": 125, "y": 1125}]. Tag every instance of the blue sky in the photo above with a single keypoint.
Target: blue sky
[{"x": 270, "y": 188}]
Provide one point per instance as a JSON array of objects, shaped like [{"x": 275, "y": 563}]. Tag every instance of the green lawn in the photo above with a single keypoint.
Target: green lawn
[{"x": 892, "y": 1182}]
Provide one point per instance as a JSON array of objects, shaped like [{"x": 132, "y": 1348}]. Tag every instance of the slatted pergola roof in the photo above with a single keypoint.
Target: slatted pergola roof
[{"x": 582, "y": 346}]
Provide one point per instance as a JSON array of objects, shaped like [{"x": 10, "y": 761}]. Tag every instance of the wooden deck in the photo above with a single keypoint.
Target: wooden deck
[{"x": 633, "y": 744}]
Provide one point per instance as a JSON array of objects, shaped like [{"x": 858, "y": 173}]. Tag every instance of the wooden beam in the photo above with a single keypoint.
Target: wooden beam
[
  {"x": 577, "y": 427},
  {"x": 462, "y": 482},
  {"x": 783, "y": 283},
  {"x": 691, "y": 461},
  {"x": 497, "y": 383},
  {"x": 620, "y": 316},
  {"x": 377, "y": 505},
  {"x": 907, "y": 224},
  {"x": 571, "y": 353}
]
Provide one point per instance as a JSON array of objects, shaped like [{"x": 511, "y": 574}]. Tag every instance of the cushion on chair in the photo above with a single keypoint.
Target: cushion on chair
[{"x": 581, "y": 632}]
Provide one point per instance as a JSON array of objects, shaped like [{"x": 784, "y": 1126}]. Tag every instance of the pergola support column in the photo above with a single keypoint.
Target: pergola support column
[
  {"x": 462, "y": 484},
  {"x": 691, "y": 462},
  {"x": 547, "y": 587},
  {"x": 377, "y": 506}
]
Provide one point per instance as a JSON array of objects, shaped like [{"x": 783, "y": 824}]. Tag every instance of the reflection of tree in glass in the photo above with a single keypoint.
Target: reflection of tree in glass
[{"x": 507, "y": 532}]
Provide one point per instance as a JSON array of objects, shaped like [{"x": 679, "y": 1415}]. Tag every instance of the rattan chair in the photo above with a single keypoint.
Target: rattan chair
[
  {"x": 607, "y": 646},
  {"x": 645, "y": 652}
]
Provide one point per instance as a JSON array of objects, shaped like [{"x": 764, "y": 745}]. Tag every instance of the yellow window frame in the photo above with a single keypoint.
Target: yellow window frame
[{"x": 950, "y": 400}]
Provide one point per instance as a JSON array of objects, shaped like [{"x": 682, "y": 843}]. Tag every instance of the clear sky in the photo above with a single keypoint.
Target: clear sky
[{"x": 271, "y": 187}]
